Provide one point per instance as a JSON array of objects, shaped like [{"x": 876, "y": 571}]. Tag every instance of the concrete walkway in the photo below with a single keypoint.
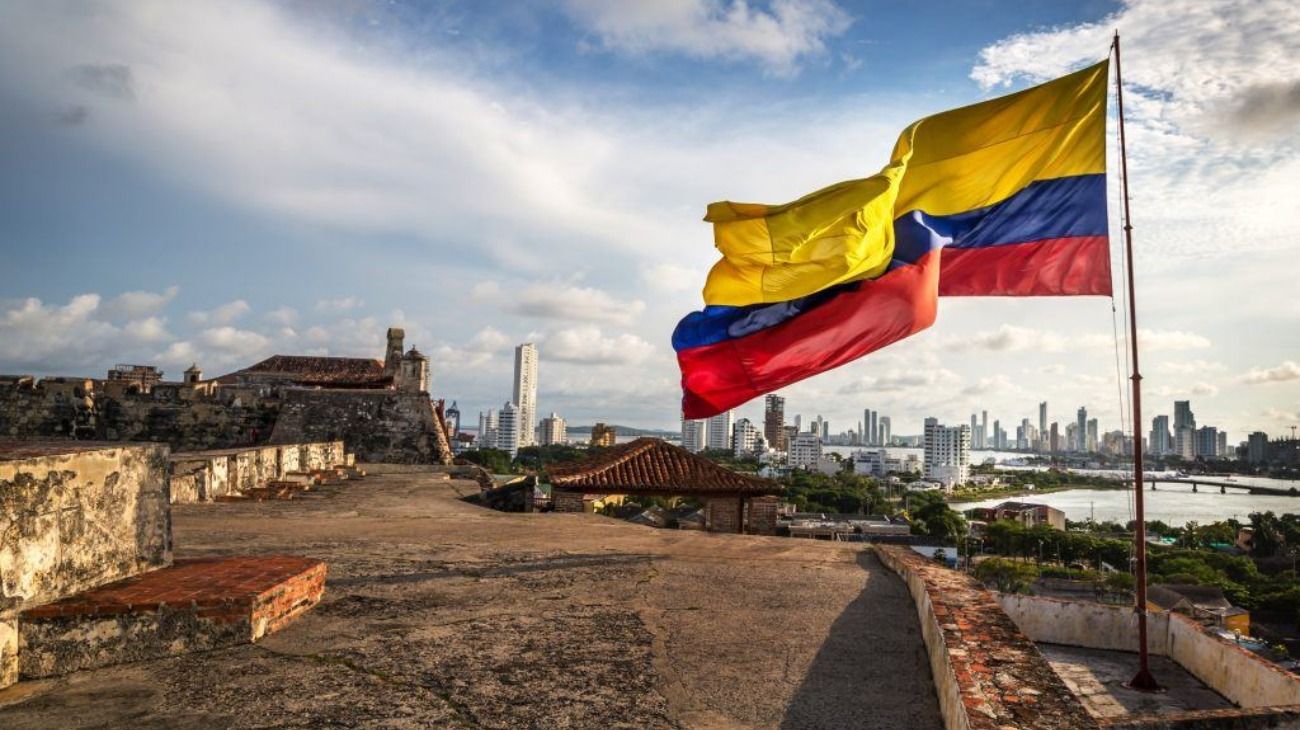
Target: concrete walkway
[{"x": 442, "y": 614}]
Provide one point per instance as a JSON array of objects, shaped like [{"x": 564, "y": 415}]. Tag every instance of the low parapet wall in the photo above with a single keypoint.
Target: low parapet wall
[
  {"x": 987, "y": 673},
  {"x": 75, "y": 516},
  {"x": 1236, "y": 673},
  {"x": 202, "y": 476}
]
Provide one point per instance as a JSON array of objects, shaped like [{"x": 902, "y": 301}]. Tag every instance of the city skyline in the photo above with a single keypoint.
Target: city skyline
[{"x": 591, "y": 263}]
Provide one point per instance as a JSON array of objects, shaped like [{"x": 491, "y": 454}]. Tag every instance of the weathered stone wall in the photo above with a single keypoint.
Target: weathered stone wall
[
  {"x": 72, "y": 517},
  {"x": 567, "y": 501},
  {"x": 72, "y": 408},
  {"x": 202, "y": 476},
  {"x": 986, "y": 672},
  {"x": 378, "y": 426},
  {"x": 75, "y": 516}
]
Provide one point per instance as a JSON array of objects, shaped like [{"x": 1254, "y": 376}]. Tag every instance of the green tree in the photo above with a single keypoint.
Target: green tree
[{"x": 1007, "y": 576}]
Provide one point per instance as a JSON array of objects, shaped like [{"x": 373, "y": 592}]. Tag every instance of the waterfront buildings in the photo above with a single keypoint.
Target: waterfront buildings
[
  {"x": 1257, "y": 448},
  {"x": 508, "y": 424},
  {"x": 719, "y": 431},
  {"x": 1161, "y": 441},
  {"x": 525, "y": 391},
  {"x": 947, "y": 453},
  {"x": 552, "y": 431},
  {"x": 805, "y": 450},
  {"x": 774, "y": 422}
]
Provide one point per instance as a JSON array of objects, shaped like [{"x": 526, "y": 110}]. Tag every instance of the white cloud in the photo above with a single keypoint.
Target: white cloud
[
  {"x": 1287, "y": 371},
  {"x": 223, "y": 315},
  {"x": 283, "y": 316},
  {"x": 572, "y": 302},
  {"x": 1014, "y": 338},
  {"x": 588, "y": 345},
  {"x": 723, "y": 29},
  {"x": 33, "y": 333},
  {"x": 342, "y": 304},
  {"x": 668, "y": 276},
  {"x": 149, "y": 329},
  {"x": 235, "y": 342},
  {"x": 133, "y": 305},
  {"x": 1190, "y": 367},
  {"x": 901, "y": 380}
]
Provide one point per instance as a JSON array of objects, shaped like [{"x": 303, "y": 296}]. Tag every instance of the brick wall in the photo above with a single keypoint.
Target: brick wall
[
  {"x": 762, "y": 515},
  {"x": 720, "y": 514},
  {"x": 567, "y": 501}
]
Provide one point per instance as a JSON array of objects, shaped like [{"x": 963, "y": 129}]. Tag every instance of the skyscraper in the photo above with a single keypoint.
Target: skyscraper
[
  {"x": 1160, "y": 442},
  {"x": 1042, "y": 420},
  {"x": 774, "y": 422},
  {"x": 983, "y": 439},
  {"x": 1090, "y": 444},
  {"x": 874, "y": 428},
  {"x": 526, "y": 390},
  {"x": 868, "y": 438},
  {"x": 1081, "y": 431},
  {"x": 885, "y": 428},
  {"x": 487, "y": 429},
  {"x": 1183, "y": 416},
  {"x": 720, "y": 431}
]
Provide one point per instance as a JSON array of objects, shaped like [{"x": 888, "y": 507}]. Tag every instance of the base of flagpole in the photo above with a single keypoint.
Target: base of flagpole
[{"x": 1143, "y": 681}]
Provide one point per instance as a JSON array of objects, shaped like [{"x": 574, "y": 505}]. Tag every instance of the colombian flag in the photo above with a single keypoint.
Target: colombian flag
[{"x": 1002, "y": 198}]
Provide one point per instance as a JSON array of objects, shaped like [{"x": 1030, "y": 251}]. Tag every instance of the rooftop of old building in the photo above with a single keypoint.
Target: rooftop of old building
[
  {"x": 441, "y": 613},
  {"x": 654, "y": 465},
  {"x": 315, "y": 370}
]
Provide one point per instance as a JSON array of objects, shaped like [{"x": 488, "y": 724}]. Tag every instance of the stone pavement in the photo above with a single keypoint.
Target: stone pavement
[
  {"x": 1097, "y": 678},
  {"x": 438, "y": 613}
]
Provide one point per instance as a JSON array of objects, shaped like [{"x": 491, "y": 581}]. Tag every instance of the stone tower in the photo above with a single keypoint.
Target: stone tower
[
  {"x": 193, "y": 374},
  {"x": 393, "y": 354},
  {"x": 413, "y": 372}
]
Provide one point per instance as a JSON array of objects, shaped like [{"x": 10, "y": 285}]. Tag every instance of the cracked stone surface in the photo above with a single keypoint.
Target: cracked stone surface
[
  {"x": 439, "y": 613},
  {"x": 1097, "y": 677}
]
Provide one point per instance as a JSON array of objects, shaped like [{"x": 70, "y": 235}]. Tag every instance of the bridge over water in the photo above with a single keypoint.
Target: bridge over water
[{"x": 1223, "y": 486}]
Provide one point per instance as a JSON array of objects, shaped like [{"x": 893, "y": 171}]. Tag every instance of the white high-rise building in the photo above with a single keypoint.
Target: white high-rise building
[
  {"x": 526, "y": 390},
  {"x": 805, "y": 450},
  {"x": 744, "y": 438},
  {"x": 508, "y": 429},
  {"x": 720, "y": 431},
  {"x": 885, "y": 426},
  {"x": 552, "y": 431},
  {"x": 487, "y": 429},
  {"x": 694, "y": 433},
  {"x": 947, "y": 453}
]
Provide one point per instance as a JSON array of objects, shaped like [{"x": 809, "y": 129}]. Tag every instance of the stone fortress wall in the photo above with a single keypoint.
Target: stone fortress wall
[{"x": 389, "y": 419}]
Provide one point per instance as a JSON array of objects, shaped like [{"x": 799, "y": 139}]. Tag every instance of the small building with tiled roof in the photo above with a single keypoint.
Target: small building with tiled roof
[{"x": 733, "y": 502}]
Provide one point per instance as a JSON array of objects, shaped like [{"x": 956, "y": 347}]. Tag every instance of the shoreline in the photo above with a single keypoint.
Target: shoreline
[{"x": 1010, "y": 493}]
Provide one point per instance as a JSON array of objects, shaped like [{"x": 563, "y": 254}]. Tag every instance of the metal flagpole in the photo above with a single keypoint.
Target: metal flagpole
[{"x": 1143, "y": 679}]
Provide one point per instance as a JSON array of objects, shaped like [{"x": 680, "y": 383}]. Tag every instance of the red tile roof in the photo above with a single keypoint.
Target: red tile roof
[
  {"x": 337, "y": 372},
  {"x": 649, "y": 465}
]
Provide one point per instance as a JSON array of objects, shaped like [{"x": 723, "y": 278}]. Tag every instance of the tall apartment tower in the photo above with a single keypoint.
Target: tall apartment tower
[
  {"x": 508, "y": 429},
  {"x": 884, "y": 433},
  {"x": 774, "y": 422},
  {"x": 526, "y": 390},
  {"x": 983, "y": 440},
  {"x": 719, "y": 436},
  {"x": 874, "y": 428},
  {"x": 1183, "y": 416},
  {"x": 487, "y": 429},
  {"x": 694, "y": 434},
  {"x": 744, "y": 439},
  {"x": 1042, "y": 420},
  {"x": 553, "y": 431},
  {"x": 1090, "y": 442},
  {"x": 947, "y": 453},
  {"x": 1081, "y": 431}
]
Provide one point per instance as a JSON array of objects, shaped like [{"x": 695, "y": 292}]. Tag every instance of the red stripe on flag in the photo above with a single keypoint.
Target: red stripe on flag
[
  {"x": 878, "y": 313},
  {"x": 1051, "y": 267}
]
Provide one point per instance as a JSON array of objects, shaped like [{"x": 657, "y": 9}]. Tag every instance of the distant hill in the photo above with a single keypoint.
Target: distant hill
[{"x": 630, "y": 431}]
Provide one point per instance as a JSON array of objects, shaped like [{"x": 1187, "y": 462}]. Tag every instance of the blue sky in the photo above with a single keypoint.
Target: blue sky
[{"x": 217, "y": 182}]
